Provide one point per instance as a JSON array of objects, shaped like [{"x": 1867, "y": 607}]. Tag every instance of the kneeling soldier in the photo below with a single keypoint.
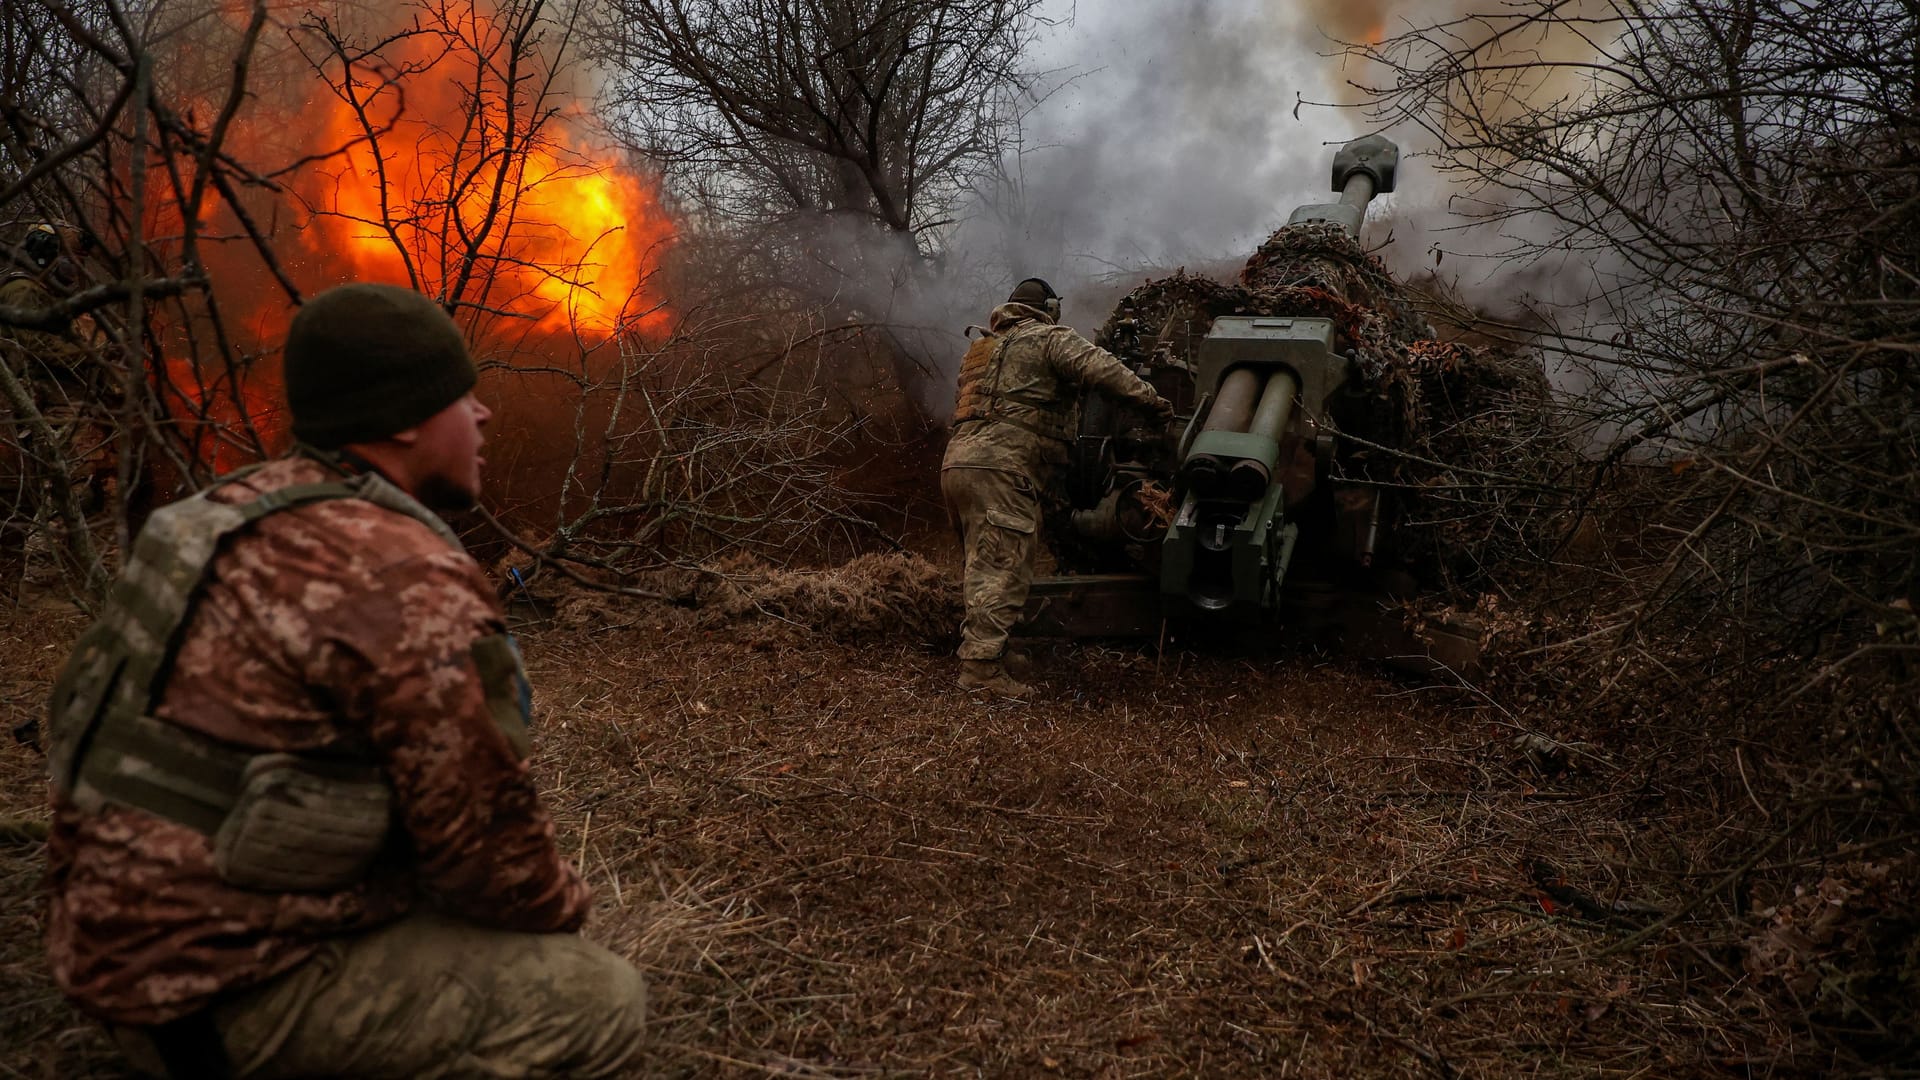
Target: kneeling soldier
[{"x": 294, "y": 830}]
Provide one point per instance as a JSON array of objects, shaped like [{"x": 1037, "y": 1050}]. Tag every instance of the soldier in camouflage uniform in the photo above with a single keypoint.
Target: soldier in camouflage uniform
[
  {"x": 60, "y": 420},
  {"x": 1012, "y": 427},
  {"x": 27, "y": 283},
  {"x": 51, "y": 362},
  {"x": 294, "y": 831}
]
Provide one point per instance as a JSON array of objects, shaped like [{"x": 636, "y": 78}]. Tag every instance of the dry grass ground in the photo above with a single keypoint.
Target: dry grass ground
[{"x": 834, "y": 864}]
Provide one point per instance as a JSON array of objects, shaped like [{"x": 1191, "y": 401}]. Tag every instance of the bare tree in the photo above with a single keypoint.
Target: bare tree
[
  {"x": 829, "y": 144},
  {"x": 469, "y": 195},
  {"x": 1743, "y": 179},
  {"x": 881, "y": 110},
  {"x": 97, "y": 137},
  {"x": 1741, "y": 175}
]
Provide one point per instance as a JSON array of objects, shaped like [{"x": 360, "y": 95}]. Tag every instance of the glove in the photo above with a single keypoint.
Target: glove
[{"x": 1162, "y": 410}]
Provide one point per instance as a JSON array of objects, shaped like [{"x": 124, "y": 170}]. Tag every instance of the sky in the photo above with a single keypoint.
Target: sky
[
  {"x": 1175, "y": 133},
  {"x": 1174, "y": 137},
  {"x": 1182, "y": 132}
]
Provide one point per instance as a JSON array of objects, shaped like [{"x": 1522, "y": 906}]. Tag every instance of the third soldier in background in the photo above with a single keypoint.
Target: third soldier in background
[
  {"x": 1012, "y": 428},
  {"x": 63, "y": 428}
]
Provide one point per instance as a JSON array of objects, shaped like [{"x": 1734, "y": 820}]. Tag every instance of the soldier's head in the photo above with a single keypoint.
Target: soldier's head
[
  {"x": 55, "y": 249},
  {"x": 383, "y": 372},
  {"x": 41, "y": 244},
  {"x": 1037, "y": 294}
]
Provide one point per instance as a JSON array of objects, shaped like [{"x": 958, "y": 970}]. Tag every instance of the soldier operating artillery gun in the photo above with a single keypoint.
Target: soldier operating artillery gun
[{"x": 1273, "y": 497}]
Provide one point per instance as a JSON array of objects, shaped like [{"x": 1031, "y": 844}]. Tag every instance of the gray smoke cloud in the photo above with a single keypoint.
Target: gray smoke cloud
[
  {"x": 1182, "y": 133},
  {"x": 1170, "y": 138},
  {"x": 1176, "y": 142}
]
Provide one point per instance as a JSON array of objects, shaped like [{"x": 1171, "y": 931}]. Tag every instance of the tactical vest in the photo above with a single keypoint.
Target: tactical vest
[
  {"x": 11, "y": 276},
  {"x": 277, "y": 821},
  {"x": 982, "y": 396},
  {"x": 49, "y": 359}
]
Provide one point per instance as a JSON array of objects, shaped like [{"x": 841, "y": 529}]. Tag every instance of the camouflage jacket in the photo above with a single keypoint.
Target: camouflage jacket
[
  {"x": 40, "y": 357},
  {"x": 333, "y": 624},
  {"x": 1028, "y": 425}
]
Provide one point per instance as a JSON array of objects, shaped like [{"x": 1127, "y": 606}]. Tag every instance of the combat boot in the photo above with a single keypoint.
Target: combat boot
[{"x": 988, "y": 675}]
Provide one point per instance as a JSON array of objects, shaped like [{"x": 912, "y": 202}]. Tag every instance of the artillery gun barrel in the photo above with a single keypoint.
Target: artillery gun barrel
[
  {"x": 1359, "y": 190},
  {"x": 1233, "y": 409},
  {"x": 1362, "y": 169}
]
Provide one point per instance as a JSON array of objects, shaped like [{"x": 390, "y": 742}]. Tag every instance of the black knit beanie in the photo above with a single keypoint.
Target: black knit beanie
[{"x": 367, "y": 361}]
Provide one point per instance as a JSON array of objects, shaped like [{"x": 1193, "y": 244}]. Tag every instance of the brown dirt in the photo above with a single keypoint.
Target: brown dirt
[{"x": 834, "y": 864}]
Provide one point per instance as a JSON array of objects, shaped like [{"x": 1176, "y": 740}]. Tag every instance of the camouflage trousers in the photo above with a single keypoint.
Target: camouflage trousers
[
  {"x": 432, "y": 997},
  {"x": 998, "y": 516}
]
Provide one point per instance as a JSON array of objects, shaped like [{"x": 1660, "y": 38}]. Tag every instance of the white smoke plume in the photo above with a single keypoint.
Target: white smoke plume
[
  {"x": 1173, "y": 137},
  {"x": 1181, "y": 133}
]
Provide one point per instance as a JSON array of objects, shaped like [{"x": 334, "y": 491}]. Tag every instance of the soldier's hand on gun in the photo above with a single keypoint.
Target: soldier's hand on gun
[{"x": 1162, "y": 410}]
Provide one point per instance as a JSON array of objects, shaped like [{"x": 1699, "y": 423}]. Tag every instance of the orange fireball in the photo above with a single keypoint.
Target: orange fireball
[
  {"x": 439, "y": 182},
  {"x": 439, "y": 161}
]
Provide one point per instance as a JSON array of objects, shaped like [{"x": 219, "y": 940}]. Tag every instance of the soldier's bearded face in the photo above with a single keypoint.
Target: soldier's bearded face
[{"x": 446, "y": 461}]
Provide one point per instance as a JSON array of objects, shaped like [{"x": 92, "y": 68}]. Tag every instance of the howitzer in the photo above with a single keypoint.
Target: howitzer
[{"x": 1253, "y": 511}]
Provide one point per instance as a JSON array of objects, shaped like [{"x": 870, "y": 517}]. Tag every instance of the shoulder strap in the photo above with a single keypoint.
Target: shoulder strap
[
  {"x": 372, "y": 487},
  {"x": 998, "y": 363},
  {"x": 364, "y": 483}
]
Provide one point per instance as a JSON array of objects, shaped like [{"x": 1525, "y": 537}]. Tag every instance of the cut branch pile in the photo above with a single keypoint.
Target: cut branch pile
[
  {"x": 872, "y": 598},
  {"x": 877, "y": 597}
]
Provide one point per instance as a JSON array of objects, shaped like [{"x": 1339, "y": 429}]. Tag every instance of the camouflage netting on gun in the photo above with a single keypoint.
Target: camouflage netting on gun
[
  {"x": 1465, "y": 433},
  {"x": 1325, "y": 258},
  {"x": 1485, "y": 462}
]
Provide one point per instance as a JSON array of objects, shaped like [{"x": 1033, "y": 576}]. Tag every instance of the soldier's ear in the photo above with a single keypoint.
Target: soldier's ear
[{"x": 406, "y": 438}]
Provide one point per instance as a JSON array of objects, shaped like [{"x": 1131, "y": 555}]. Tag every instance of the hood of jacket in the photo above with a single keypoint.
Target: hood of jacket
[{"x": 1006, "y": 315}]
